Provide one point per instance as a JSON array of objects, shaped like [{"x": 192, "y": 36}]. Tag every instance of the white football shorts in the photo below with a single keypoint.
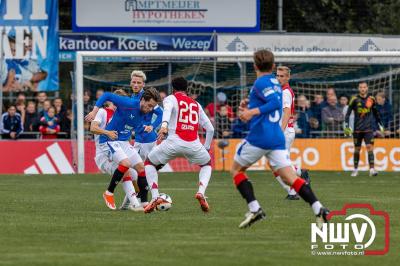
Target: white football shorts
[
  {"x": 121, "y": 150},
  {"x": 105, "y": 163},
  {"x": 103, "y": 160},
  {"x": 144, "y": 148},
  {"x": 247, "y": 154},
  {"x": 174, "y": 147}
]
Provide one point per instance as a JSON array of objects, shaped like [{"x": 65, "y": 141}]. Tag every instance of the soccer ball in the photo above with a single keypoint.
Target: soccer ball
[{"x": 167, "y": 204}]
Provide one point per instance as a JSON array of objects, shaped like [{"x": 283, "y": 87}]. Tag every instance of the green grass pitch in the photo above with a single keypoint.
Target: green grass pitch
[{"x": 62, "y": 220}]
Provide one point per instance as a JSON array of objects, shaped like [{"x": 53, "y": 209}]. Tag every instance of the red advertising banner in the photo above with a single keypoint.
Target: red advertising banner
[
  {"x": 56, "y": 157},
  {"x": 36, "y": 157}
]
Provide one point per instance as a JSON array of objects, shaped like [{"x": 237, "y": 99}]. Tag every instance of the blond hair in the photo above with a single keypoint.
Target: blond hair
[
  {"x": 284, "y": 68},
  {"x": 138, "y": 73}
]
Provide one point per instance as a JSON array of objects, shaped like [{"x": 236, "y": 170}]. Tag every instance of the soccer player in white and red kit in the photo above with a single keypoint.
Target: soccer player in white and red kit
[
  {"x": 182, "y": 119},
  {"x": 287, "y": 125},
  {"x": 102, "y": 158}
]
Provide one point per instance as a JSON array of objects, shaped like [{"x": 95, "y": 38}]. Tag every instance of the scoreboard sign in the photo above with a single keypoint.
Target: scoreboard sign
[{"x": 166, "y": 15}]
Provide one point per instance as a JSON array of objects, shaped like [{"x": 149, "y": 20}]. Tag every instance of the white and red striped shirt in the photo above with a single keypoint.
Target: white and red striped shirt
[
  {"x": 184, "y": 116},
  {"x": 103, "y": 117},
  {"x": 288, "y": 102}
]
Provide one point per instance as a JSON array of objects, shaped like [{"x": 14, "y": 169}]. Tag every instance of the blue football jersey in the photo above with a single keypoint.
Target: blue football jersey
[
  {"x": 153, "y": 118},
  {"x": 138, "y": 95},
  {"x": 126, "y": 117},
  {"x": 265, "y": 131}
]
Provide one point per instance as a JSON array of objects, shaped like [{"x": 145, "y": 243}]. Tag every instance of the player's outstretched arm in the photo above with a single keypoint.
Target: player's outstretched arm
[
  {"x": 90, "y": 116},
  {"x": 168, "y": 104},
  {"x": 95, "y": 129},
  {"x": 101, "y": 117},
  {"x": 117, "y": 100},
  {"x": 271, "y": 104},
  {"x": 205, "y": 123}
]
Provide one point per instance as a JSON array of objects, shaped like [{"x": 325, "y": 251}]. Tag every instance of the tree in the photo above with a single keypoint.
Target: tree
[{"x": 334, "y": 16}]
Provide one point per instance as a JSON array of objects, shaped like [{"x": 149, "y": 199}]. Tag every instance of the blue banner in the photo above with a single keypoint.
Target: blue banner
[
  {"x": 29, "y": 29},
  {"x": 70, "y": 43}
]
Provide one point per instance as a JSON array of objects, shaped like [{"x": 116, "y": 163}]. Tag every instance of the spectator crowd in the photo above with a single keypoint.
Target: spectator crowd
[
  {"x": 321, "y": 116},
  {"x": 324, "y": 117},
  {"x": 37, "y": 118}
]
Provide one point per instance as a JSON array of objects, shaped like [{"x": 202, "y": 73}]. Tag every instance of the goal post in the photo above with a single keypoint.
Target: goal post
[{"x": 339, "y": 58}]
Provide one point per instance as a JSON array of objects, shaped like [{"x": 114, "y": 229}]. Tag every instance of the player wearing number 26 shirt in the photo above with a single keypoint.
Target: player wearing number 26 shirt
[{"x": 182, "y": 119}]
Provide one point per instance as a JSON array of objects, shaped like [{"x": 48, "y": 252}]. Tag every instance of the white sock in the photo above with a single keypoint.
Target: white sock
[
  {"x": 254, "y": 206},
  {"x": 125, "y": 201},
  {"x": 133, "y": 174},
  {"x": 316, "y": 207},
  {"x": 283, "y": 184},
  {"x": 109, "y": 193},
  {"x": 152, "y": 180},
  {"x": 130, "y": 192},
  {"x": 292, "y": 192},
  {"x": 204, "y": 178}
]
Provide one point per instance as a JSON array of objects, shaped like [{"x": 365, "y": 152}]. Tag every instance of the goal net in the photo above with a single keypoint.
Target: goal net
[{"x": 219, "y": 80}]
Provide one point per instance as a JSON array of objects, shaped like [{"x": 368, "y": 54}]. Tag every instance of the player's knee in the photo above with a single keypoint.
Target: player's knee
[
  {"x": 125, "y": 163},
  {"x": 139, "y": 167},
  {"x": 236, "y": 169},
  {"x": 157, "y": 166},
  {"x": 357, "y": 148},
  {"x": 287, "y": 174},
  {"x": 370, "y": 147}
]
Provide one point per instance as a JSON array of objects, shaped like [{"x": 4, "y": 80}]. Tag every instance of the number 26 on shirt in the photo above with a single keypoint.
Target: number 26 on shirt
[{"x": 188, "y": 113}]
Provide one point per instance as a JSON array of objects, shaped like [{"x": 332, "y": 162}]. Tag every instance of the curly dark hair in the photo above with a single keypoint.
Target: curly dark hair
[
  {"x": 179, "y": 84},
  {"x": 151, "y": 93}
]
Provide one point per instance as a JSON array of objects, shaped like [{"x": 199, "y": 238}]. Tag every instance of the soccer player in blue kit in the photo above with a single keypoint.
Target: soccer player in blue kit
[
  {"x": 145, "y": 135},
  {"x": 130, "y": 114},
  {"x": 266, "y": 138}
]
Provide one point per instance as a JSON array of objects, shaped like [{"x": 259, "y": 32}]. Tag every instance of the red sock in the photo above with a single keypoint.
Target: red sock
[
  {"x": 122, "y": 168},
  {"x": 127, "y": 178},
  {"x": 239, "y": 178},
  {"x": 297, "y": 184}
]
